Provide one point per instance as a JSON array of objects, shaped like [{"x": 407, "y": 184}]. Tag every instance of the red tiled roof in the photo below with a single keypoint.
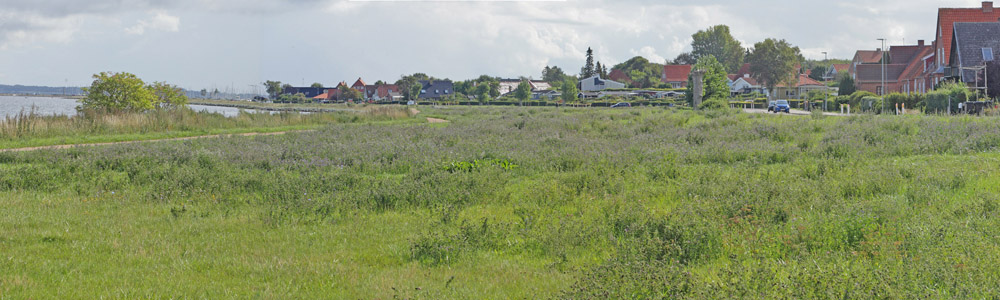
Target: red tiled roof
[
  {"x": 868, "y": 56},
  {"x": 676, "y": 73},
  {"x": 804, "y": 80},
  {"x": 323, "y": 96},
  {"x": 841, "y": 67},
  {"x": 947, "y": 17},
  {"x": 915, "y": 68},
  {"x": 358, "y": 83},
  {"x": 620, "y": 76},
  {"x": 749, "y": 80},
  {"x": 873, "y": 72}
]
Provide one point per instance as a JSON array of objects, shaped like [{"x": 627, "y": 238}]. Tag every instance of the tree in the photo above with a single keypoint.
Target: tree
[
  {"x": 415, "y": 91},
  {"x": 846, "y": 84},
  {"x": 719, "y": 42},
  {"x": 588, "y": 69},
  {"x": 117, "y": 92},
  {"x": 643, "y": 73},
  {"x": 273, "y": 88},
  {"x": 166, "y": 95},
  {"x": 715, "y": 86},
  {"x": 773, "y": 62},
  {"x": 685, "y": 59},
  {"x": 553, "y": 74},
  {"x": 204, "y": 92},
  {"x": 569, "y": 91},
  {"x": 347, "y": 93},
  {"x": 317, "y": 85},
  {"x": 817, "y": 72},
  {"x": 523, "y": 91}
]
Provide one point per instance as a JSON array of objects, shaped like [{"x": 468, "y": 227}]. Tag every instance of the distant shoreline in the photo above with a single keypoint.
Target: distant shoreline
[{"x": 43, "y": 96}]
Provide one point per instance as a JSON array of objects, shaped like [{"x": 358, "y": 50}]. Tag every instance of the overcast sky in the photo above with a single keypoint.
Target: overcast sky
[{"x": 220, "y": 43}]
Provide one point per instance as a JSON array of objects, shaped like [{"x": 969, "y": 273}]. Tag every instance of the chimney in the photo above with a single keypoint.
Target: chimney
[
  {"x": 987, "y": 6},
  {"x": 920, "y": 43}
]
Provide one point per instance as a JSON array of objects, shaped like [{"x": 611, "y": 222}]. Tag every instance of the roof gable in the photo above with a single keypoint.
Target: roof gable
[
  {"x": 676, "y": 73},
  {"x": 947, "y": 17}
]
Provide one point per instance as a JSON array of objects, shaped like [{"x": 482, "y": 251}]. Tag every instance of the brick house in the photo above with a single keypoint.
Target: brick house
[{"x": 676, "y": 75}]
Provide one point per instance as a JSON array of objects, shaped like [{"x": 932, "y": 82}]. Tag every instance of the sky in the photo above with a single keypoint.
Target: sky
[{"x": 237, "y": 44}]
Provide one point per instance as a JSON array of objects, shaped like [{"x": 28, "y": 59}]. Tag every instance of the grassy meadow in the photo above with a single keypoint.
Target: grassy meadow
[
  {"x": 30, "y": 130},
  {"x": 524, "y": 203}
]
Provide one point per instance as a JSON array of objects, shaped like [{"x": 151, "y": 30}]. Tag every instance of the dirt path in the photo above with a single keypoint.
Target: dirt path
[
  {"x": 54, "y": 147},
  {"x": 429, "y": 120}
]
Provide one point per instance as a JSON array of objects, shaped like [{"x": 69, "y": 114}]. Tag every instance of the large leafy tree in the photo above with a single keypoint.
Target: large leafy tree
[
  {"x": 274, "y": 88},
  {"x": 553, "y": 74},
  {"x": 643, "y": 73},
  {"x": 589, "y": 70},
  {"x": 166, "y": 95},
  {"x": 685, "y": 59},
  {"x": 569, "y": 91},
  {"x": 719, "y": 42},
  {"x": 317, "y": 85},
  {"x": 817, "y": 72},
  {"x": 773, "y": 62},
  {"x": 523, "y": 91},
  {"x": 117, "y": 92},
  {"x": 715, "y": 86}
]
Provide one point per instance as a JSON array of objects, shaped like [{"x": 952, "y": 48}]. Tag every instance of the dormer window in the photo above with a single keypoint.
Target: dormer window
[{"x": 987, "y": 54}]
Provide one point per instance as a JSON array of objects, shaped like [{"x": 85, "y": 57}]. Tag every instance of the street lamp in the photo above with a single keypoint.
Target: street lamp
[{"x": 882, "y": 92}]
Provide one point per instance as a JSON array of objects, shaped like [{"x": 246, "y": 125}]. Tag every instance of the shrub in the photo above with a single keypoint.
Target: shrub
[
  {"x": 871, "y": 104},
  {"x": 714, "y": 104},
  {"x": 857, "y": 96}
]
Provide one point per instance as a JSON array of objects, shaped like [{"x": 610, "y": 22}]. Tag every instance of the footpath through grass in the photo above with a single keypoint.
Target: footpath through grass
[{"x": 518, "y": 203}]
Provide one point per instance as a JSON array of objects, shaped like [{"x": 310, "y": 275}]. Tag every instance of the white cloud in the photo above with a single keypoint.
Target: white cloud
[
  {"x": 160, "y": 21},
  {"x": 650, "y": 54}
]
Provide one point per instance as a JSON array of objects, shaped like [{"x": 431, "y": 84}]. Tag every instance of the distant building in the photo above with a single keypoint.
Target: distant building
[
  {"x": 310, "y": 92},
  {"x": 384, "y": 92},
  {"x": 676, "y": 75},
  {"x": 595, "y": 83},
  {"x": 905, "y": 70},
  {"x": 436, "y": 89},
  {"x": 508, "y": 86},
  {"x": 800, "y": 89},
  {"x": 835, "y": 70},
  {"x": 746, "y": 85},
  {"x": 619, "y": 76}
]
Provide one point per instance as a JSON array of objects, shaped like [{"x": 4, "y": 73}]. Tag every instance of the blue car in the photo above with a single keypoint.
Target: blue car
[{"x": 782, "y": 106}]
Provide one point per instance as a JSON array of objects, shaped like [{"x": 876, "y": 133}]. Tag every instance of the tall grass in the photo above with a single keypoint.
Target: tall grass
[
  {"x": 519, "y": 203},
  {"x": 28, "y": 125}
]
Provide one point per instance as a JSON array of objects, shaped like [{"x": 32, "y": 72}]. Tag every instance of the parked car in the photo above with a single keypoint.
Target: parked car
[
  {"x": 782, "y": 106},
  {"x": 621, "y": 104},
  {"x": 771, "y": 105}
]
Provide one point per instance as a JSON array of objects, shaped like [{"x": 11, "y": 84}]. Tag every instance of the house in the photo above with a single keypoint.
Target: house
[
  {"x": 947, "y": 17},
  {"x": 382, "y": 92},
  {"x": 835, "y": 70},
  {"x": 309, "y": 92},
  {"x": 334, "y": 94},
  {"x": 746, "y": 85},
  {"x": 676, "y": 75},
  {"x": 972, "y": 45},
  {"x": 545, "y": 95},
  {"x": 595, "y": 83},
  {"x": 864, "y": 57},
  {"x": 359, "y": 85},
  {"x": 904, "y": 71},
  {"x": 436, "y": 89},
  {"x": 508, "y": 86},
  {"x": 800, "y": 89}
]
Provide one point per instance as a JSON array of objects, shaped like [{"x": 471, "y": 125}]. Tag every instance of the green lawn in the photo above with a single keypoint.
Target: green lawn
[{"x": 518, "y": 203}]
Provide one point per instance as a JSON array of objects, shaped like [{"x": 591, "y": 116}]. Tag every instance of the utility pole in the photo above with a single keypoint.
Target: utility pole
[{"x": 882, "y": 92}]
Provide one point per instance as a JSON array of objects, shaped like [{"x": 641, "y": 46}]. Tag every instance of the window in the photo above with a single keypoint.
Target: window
[
  {"x": 987, "y": 54},
  {"x": 423, "y": 91}
]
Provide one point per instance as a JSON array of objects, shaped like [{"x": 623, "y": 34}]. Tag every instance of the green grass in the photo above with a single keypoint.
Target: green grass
[
  {"x": 28, "y": 130},
  {"x": 518, "y": 203}
]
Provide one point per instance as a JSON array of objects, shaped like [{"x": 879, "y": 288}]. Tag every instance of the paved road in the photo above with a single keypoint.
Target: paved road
[{"x": 793, "y": 112}]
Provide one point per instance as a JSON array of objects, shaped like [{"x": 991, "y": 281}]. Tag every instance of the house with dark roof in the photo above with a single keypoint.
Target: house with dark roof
[
  {"x": 436, "y": 89},
  {"x": 972, "y": 45},
  {"x": 676, "y": 75},
  {"x": 309, "y": 92},
  {"x": 947, "y": 17}
]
